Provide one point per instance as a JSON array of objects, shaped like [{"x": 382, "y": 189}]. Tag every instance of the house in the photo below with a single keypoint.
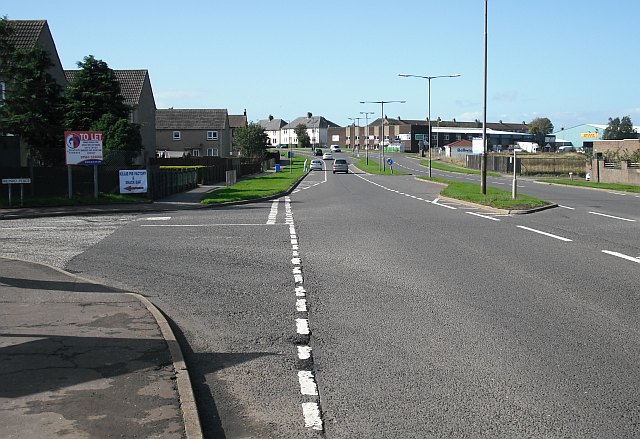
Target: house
[
  {"x": 316, "y": 126},
  {"x": 27, "y": 34},
  {"x": 135, "y": 88},
  {"x": 273, "y": 129},
  {"x": 193, "y": 132},
  {"x": 236, "y": 121}
]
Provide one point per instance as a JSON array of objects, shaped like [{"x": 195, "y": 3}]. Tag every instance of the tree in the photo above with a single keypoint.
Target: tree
[
  {"x": 33, "y": 105},
  {"x": 251, "y": 140},
  {"x": 94, "y": 92},
  {"x": 618, "y": 129},
  {"x": 303, "y": 137},
  {"x": 540, "y": 127},
  {"x": 121, "y": 140}
]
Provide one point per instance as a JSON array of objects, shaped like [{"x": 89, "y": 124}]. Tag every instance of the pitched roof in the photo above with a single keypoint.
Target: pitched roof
[
  {"x": 131, "y": 83},
  {"x": 191, "y": 119},
  {"x": 311, "y": 122},
  {"x": 272, "y": 124},
  {"x": 460, "y": 143},
  {"x": 237, "y": 120},
  {"x": 26, "y": 32}
]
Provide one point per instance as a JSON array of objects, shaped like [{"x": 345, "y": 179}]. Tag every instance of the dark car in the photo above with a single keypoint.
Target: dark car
[{"x": 317, "y": 152}]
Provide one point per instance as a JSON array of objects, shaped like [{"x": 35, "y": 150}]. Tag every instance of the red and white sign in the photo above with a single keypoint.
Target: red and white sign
[{"x": 83, "y": 147}]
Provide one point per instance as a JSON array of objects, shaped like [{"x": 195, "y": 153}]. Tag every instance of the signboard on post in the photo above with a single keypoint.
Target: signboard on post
[
  {"x": 83, "y": 147},
  {"x": 133, "y": 181}
]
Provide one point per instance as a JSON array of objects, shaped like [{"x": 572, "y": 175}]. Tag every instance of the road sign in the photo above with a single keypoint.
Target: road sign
[
  {"x": 133, "y": 181},
  {"x": 16, "y": 180},
  {"x": 83, "y": 147},
  {"x": 389, "y": 162},
  {"x": 420, "y": 136}
]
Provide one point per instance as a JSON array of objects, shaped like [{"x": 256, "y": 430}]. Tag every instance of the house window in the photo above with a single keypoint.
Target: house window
[
  {"x": 211, "y": 152},
  {"x": 195, "y": 152},
  {"x": 2, "y": 89},
  {"x": 458, "y": 136},
  {"x": 446, "y": 137},
  {"x": 176, "y": 135},
  {"x": 434, "y": 137},
  {"x": 212, "y": 135}
]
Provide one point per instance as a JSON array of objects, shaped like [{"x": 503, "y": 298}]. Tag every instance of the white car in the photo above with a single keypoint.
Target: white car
[
  {"x": 316, "y": 165},
  {"x": 327, "y": 156},
  {"x": 335, "y": 148}
]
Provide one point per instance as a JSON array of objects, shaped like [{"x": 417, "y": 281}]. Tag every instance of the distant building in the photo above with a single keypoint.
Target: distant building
[
  {"x": 236, "y": 121},
  {"x": 317, "y": 129},
  {"x": 580, "y": 136},
  {"x": 135, "y": 88},
  {"x": 273, "y": 128},
  {"x": 26, "y": 35},
  {"x": 193, "y": 132},
  {"x": 459, "y": 148}
]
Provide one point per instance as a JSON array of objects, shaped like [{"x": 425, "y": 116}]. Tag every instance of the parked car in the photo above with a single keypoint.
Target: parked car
[
  {"x": 327, "y": 156},
  {"x": 316, "y": 165},
  {"x": 317, "y": 152},
  {"x": 335, "y": 148},
  {"x": 340, "y": 165}
]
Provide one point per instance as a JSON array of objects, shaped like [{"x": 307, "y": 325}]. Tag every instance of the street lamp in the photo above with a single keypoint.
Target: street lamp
[
  {"x": 357, "y": 119},
  {"x": 428, "y": 78},
  {"x": 483, "y": 163},
  {"x": 366, "y": 141},
  {"x": 382, "y": 164}
]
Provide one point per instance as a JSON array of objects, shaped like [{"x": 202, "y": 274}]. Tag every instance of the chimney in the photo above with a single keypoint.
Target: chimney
[
  {"x": 245, "y": 112},
  {"x": 399, "y": 118},
  {"x": 270, "y": 117},
  {"x": 309, "y": 115}
]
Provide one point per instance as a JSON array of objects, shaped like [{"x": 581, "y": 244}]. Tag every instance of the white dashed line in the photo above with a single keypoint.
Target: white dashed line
[
  {"x": 304, "y": 352},
  {"x": 273, "y": 213},
  {"x": 545, "y": 234},
  {"x": 302, "y": 326},
  {"x": 312, "y": 417},
  {"x": 301, "y": 305},
  {"x": 623, "y": 256},
  {"x": 158, "y": 218},
  {"x": 307, "y": 384},
  {"x": 566, "y": 207},
  {"x": 443, "y": 205},
  {"x": 614, "y": 217}
]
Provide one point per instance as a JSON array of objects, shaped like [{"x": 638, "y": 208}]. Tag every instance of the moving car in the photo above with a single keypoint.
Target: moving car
[
  {"x": 341, "y": 165},
  {"x": 327, "y": 156},
  {"x": 317, "y": 152},
  {"x": 316, "y": 165},
  {"x": 335, "y": 148}
]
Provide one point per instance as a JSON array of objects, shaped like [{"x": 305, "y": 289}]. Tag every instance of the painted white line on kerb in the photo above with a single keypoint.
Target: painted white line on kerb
[
  {"x": 443, "y": 205},
  {"x": 614, "y": 217},
  {"x": 623, "y": 256},
  {"x": 566, "y": 207},
  {"x": 307, "y": 385},
  {"x": 545, "y": 234},
  {"x": 300, "y": 291},
  {"x": 311, "y": 413},
  {"x": 302, "y": 326},
  {"x": 301, "y": 305},
  {"x": 483, "y": 216}
]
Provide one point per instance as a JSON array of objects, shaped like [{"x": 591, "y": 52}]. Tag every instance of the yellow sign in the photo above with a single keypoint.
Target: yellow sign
[{"x": 589, "y": 135}]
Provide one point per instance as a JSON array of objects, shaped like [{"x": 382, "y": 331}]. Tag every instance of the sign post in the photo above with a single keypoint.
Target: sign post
[
  {"x": 21, "y": 182},
  {"x": 390, "y": 163}
]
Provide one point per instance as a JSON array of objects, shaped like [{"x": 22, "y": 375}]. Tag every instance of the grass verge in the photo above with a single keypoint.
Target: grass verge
[
  {"x": 497, "y": 198},
  {"x": 584, "y": 183},
  {"x": 374, "y": 168},
  {"x": 77, "y": 200},
  {"x": 264, "y": 185},
  {"x": 452, "y": 168}
]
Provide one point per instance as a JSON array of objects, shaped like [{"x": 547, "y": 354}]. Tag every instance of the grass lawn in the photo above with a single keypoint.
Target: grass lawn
[
  {"x": 374, "y": 168},
  {"x": 84, "y": 200},
  {"x": 497, "y": 198},
  {"x": 264, "y": 185},
  {"x": 584, "y": 183},
  {"x": 441, "y": 166}
]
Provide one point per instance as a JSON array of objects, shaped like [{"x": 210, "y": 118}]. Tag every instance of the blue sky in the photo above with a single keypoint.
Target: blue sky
[{"x": 569, "y": 60}]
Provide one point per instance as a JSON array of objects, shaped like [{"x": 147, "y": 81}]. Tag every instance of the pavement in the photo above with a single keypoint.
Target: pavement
[{"x": 83, "y": 360}]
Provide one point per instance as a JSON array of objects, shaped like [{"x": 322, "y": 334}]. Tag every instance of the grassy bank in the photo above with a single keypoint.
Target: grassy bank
[
  {"x": 584, "y": 183},
  {"x": 374, "y": 168},
  {"x": 452, "y": 168},
  {"x": 496, "y": 198},
  {"x": 267, "y": 185}
]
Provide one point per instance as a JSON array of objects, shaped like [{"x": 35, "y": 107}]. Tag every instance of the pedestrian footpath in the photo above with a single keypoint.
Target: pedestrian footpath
[{"x": 82, "y": 360}]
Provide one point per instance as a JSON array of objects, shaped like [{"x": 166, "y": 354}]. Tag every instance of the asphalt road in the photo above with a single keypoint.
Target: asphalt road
[{"x": 428, "y": 318}]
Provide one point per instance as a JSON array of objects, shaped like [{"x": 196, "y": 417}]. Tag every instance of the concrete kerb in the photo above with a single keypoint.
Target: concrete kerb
[{"x": 193, "y": 428}]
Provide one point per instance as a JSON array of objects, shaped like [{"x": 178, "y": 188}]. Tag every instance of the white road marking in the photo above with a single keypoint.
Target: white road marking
[
  {"x": 623, "y": 256},
  {"x": 273, "y": 213},
  {"x": 304, "y": 352},
  {"x": 301, "y": 305},
  {"x": 307, "y": 384},
  {"x": 443, "y": 205},
  {"x": 616, "y": 193},
  {"x": 546, "y": 234},
  {"x": 311, "y": 413},
  {"x": 300, "y": 291},
  {"x": 566, "y": 207},
  {"x": 196, "y": 225},
  {"x": 483, "y": 216},
  {"x": 302, "y": 326},
  {"x": 158, "y": 218},
  {"x": 614, "y": 217}
]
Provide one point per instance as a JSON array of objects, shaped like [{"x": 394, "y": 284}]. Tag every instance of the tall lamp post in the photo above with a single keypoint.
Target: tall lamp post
[
  {"x": 366, "y": 141},
  {"x": 483, "y": 163},
  {"x": 428, "y": 78},
  {"x": 382, "y": 164},
  {"x": 357, "y": 119}
]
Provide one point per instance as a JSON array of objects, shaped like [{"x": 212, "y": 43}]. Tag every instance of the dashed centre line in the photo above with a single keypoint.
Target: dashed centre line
[
  {"x": 545, "y": 233},
  {"x": 614, "y": 217}
]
